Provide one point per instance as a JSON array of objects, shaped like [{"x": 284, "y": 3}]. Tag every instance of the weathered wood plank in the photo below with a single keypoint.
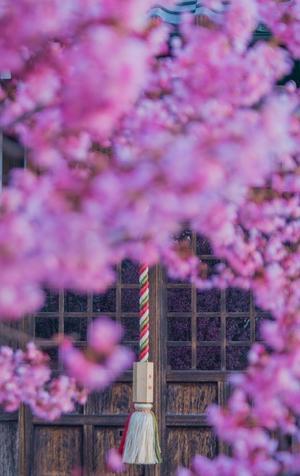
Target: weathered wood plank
[
  {"x": 114, "y": 401},
  {"x": 184, "y": 443},
  {"x": 104, "y": 439},
  {"x": 8, "y": 448},
  {"x": 189, "y": 399},
  {"x": 56, "y": 450}
]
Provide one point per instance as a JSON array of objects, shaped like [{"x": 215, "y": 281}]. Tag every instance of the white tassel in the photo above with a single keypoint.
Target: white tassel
[{"x": 141, "y": 445}]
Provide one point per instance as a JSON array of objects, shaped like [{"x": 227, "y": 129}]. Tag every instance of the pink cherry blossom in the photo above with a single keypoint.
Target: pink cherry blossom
[
  {"x": 127, "y": 147},
  {"x": 103, "y": 335},
  {"x": 114, "y": 461},
  {"x": 25, "y": 377},
  {"x": 103, "y": 360},
  {"x": 283, "y": 19}
]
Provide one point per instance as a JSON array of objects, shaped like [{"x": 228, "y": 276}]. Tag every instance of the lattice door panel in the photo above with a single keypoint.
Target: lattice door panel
[{"x": 205, "y": 335}]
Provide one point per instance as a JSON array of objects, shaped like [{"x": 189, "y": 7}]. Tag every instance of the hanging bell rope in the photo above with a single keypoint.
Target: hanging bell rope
[
  {"x": 140, "y": 442},
  {"x": 144, "y": 314}
]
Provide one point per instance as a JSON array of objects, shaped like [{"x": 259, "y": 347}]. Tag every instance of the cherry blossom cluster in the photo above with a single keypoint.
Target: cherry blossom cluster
[
  {"x": 26, "y": 377},
  {"x": 106, "y": 197},
  {"x": 283, "y": 19},
  {"x": 265, "y": 257},
  {"x": 68, "y": 62},
  {"x": 266, "y": 398}
]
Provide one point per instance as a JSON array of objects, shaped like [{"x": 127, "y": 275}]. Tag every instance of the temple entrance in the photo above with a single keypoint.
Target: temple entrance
[{"x": 198, "y": 338}]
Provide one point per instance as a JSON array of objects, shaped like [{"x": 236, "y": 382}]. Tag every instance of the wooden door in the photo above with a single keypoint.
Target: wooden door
[
  {"x": 82, "y": 438},
  {"x": 197, "y": 338},
  {"x": 204, "y": 336}
]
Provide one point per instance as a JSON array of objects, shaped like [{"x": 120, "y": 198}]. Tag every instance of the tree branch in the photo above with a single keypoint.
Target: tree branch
[{"x": 22, "y": 337}]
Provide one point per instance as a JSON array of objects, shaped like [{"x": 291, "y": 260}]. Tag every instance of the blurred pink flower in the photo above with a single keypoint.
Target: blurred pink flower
[
  {"x": 114, "y": 461},
  {"x": 103, "y": 360},
  {"x": 25, "y": 377},
  {"x": 103, "y": 335}
]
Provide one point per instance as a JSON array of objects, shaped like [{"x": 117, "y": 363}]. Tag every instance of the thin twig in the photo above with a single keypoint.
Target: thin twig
[{"x": 22, "y": 337}]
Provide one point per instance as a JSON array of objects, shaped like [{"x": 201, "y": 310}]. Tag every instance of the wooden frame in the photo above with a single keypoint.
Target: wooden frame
[{"x": 169, "y": 383}]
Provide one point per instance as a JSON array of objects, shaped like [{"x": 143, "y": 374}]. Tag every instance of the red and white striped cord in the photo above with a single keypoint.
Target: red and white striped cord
[{"x": 144, "y": 313}]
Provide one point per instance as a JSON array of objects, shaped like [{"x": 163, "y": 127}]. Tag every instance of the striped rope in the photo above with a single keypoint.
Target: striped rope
[{"x": 144, "y": 313}]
